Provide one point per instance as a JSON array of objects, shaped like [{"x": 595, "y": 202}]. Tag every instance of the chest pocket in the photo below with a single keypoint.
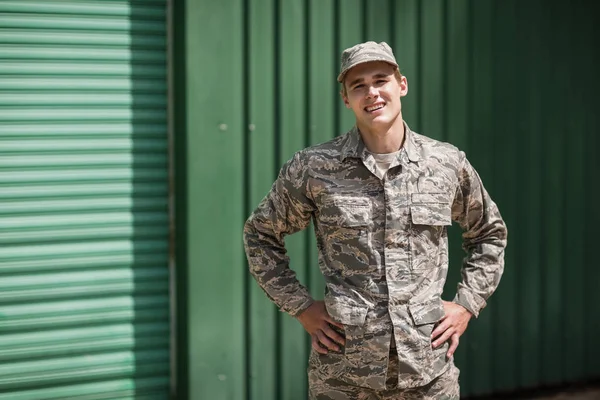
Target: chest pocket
[
  {"x": 346, "y": 224},
  {"x": 353, "y": 212},
  {"x": 430, "y": 209},
  {"x": 345, "y": 212},
  {"x": 430, "y": 214}
]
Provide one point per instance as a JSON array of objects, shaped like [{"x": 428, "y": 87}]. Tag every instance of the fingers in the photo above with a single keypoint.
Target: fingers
[
  {"x": 445, "y": 336},
  {"x": 332, "y": 334},
  {"x": 332, "y": 322},
  {"x": 454, "y": 339},
  {"x": 326, "y": 341},
  {"x": 441, "y": 328},
  {"x": 316, "y": 345}
]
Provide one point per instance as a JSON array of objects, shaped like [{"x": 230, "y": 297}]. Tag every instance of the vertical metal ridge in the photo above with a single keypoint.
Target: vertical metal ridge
[
  {"x": 278, "y": 51},
  {"x": 246, "y": 164},
  {"x": 363, "y": 25},
  {"x": 573, "y": 183},
  {"x": 492, "y": 185},
  {"x": 392, "y": 24},
  {"x": 307, "y": 73},
  {"x": 564, "y": 102},
  {"x": 542, "y": 246},
  {"x": 336, "y": 62},
  {"x": 540, "y": 166},
  {"x": 466, "y": 386},
  {"x": 309, "y": 127},
  {"x": 593, "y": 168},
  {"x": 445, "y": 78}
]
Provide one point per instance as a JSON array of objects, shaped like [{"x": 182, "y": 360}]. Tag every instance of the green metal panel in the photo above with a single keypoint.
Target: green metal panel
[
  {"x": 84, "y": 226},
  {"x": 323, "y": 97},
  {"x": 406, "y": 23},
  {"x": 588, "y": 55},
  {"x": 529, "y": 213},
  {"x": 209, "y": 83},
  {"x": 484, "y": 75},
  {"x": 377, "y": 20},
  {"x": 261, "y": 143},
  {"x": 574, "y": 185},
  {"x": 504, "y": 41},
  {"x": 481, "y": 154},
  {"x": 291, "y": 118},
  {"x": 456, "y": 100},
  {"x": 349, "y": 26},
  {"x": 431, "y": 65},
  {"x": 553, "y": 252}
]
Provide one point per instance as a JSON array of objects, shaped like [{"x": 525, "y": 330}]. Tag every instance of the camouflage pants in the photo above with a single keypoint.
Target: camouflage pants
[{"x": 444, "y": 387}]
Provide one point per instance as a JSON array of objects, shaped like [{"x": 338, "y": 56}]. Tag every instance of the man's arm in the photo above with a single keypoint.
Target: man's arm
[
  {"x": 484, "y": 240},
  {"x": 286, "y": 209}
]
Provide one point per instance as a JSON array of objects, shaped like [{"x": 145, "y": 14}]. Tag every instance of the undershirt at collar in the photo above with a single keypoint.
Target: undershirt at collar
[{"x": 383, "y": 162}]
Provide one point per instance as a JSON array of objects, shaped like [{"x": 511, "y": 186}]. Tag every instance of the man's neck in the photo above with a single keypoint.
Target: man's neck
[{"x": 383, "y": 139}]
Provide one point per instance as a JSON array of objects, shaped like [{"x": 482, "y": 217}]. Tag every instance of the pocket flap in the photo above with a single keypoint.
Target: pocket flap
[
  {"x": 346, "y": 211},
  {"x": 429, "y": 198},
  {"x": 345, "y": 313},
  {"x": 427, "y": 312},
  {"x": 350, "y": 201},
  {"x": 431, "y": 214}
]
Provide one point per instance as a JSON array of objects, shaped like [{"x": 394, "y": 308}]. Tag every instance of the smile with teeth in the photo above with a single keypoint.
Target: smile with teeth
[{"x": 374, "y": 107}]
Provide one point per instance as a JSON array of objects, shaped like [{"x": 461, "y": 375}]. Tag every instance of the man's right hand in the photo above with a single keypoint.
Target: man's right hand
[{"x": 317, "y": 323}]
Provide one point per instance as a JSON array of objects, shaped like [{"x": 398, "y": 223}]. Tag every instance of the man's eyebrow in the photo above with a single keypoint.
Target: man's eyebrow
[
  {"x": 376, "y": 76},
  {"x": 354, "y": 82}
]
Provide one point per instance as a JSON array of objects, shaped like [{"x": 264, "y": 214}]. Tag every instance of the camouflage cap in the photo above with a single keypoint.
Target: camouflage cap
[{"x": 365, "y": 52}]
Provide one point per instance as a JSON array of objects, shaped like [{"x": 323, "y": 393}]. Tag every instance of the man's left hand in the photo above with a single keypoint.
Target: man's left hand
[{"x": 451, "y": 326}]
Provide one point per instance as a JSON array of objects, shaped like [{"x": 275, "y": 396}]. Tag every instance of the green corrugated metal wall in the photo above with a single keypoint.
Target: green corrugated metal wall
[
  {"x": 84, "y": 229},
  {"x": 513, "y": 83}
]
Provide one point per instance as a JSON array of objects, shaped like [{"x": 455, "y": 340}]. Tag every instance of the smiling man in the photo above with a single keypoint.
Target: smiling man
[{"x": 381, "y": 198}]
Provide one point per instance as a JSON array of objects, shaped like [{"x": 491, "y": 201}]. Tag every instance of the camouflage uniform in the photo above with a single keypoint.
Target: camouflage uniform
[
  {"x": 383, "y": 251},
  {"x": 443, "y": 387}
]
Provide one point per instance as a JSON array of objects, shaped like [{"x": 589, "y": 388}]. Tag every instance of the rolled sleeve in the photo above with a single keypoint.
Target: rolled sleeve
[
  {"x": 469, "y": 300},
  {"x": 285, "y": 210},
  {"x": 484, "y": 240}
]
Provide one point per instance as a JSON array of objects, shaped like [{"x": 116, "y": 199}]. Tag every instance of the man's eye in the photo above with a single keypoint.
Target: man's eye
[
  {"x": 358, "y": 86},
  {"x": 381, "y": 81}
]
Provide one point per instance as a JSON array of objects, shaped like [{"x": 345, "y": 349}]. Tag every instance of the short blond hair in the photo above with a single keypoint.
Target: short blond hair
[{"x": 397, "y": 74}]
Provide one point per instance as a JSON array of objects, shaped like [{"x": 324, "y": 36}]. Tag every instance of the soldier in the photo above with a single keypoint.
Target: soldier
[{"x": 381, "y": 198}]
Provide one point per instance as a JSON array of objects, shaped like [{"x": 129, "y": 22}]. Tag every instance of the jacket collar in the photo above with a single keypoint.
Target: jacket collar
[{"x": 354, "y": 146}]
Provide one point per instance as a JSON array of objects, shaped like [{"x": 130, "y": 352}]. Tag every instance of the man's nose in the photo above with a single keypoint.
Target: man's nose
[{"x": 373, "y": 92}]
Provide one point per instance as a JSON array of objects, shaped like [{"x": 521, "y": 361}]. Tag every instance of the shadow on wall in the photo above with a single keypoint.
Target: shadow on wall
[{"x": 150, "y": 238}]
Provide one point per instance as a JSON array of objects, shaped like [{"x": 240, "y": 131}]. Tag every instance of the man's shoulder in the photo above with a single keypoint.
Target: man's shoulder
[
  {"x": 329, "y": 150},
  {"x": 430, "y": 147}
]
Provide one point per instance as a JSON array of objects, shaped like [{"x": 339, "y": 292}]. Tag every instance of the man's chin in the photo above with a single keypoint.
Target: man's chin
[{"x": 377, "y": 120}]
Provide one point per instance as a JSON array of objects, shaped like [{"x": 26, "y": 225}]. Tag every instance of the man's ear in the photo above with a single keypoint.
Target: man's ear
[
  {"x": 345, "y": 99},
  {"x": 403, "y": 86}
]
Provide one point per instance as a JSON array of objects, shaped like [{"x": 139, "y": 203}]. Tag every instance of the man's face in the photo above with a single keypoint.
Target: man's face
[{"x": 373, "y": 93}]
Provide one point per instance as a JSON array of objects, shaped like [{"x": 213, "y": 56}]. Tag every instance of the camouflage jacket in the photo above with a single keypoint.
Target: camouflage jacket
[{"x": 383, "y": 249}]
